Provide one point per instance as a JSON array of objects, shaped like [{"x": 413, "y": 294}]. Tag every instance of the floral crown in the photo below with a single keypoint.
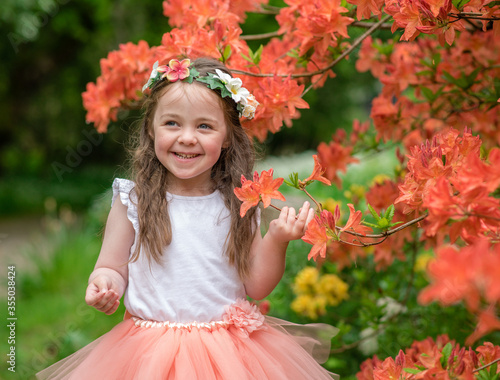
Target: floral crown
[{"x": 228, "y": 86}]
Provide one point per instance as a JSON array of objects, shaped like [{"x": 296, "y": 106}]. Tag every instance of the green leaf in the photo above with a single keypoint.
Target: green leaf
[
  {"x": 450, "y": 78},
  {"x": 227, "y": 53},
  {"x": 373, "y": 212},
  {"x": 369, "y": 224},
  {"x": 192, "y": 74},
  {"x": 459, "y": 4},
  {"x": 389, "y": 213},
  {"x": 472, "y": 76},
  {"x": 429, "y": 95},
  {"x": 383, "y": 223},
  {"x": 257, "y": 56},
  {"x": 246, "y": 58},
  {"x": 294, "y": 180},
  {"x": 412, "y": 370},
  {"x": 394, "y": 224},
  {"x": 446, "y": 354},
  {"x": 493, "y": 370}
]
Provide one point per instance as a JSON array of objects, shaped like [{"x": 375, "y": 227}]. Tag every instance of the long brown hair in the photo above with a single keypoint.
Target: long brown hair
[{"x": 151, "y": 183}]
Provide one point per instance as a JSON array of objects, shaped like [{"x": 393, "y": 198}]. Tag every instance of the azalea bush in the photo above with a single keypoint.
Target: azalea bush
[{"x": 438, "y": 213}]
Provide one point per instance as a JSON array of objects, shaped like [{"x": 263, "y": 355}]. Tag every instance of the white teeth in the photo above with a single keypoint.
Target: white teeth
[{"x": 181, "y": 155}]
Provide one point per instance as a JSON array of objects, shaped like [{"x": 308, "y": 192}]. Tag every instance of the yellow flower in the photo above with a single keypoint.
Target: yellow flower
[
  {"x": 330, "y": 204},
  {"x": 379, "y": 179},
  {"x": 422, "y": 261},
  {"x": 333, "y": 289},
  {"x": 358, "y": 191},
  {"x": 305, "y": 280},
  {"x": 314, "y": 292},
  {"x": 301, "y": 304}
]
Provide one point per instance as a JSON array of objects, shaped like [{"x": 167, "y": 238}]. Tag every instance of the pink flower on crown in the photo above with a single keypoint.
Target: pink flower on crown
[
  {"x": 176, "y": 70},
  {"x": 245, "y": 317}
]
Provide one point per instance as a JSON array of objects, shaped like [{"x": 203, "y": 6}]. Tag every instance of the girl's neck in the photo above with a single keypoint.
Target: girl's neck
[{"x": 191, "y": 189}]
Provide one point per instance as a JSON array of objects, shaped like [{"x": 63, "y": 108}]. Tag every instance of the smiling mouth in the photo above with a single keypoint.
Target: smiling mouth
[{"x": 185, "y": 156}]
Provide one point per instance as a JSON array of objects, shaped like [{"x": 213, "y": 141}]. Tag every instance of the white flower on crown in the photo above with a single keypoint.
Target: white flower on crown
[
  {"x": 153, "y": 75},
  {"x": 238, "y": 93},
  {"x": 249, "y": 106}
]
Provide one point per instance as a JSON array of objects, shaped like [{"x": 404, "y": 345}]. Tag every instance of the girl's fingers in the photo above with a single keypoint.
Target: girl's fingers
[
  {"x": 107, "y": 301},
  {"x": 304, "y": 210},
  {"x": 284, "y": 214},
  {"x": 310, "y": 216},
  {"x": 291, "y": 215},
  {"x": 93, "y": 295}
]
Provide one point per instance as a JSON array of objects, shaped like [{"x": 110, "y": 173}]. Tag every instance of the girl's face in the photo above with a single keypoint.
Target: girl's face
[{"x": 189, "y": 132}]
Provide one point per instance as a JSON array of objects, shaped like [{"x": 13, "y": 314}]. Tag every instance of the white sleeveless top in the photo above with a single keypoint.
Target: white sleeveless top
[{"x": 194, "y": 281}]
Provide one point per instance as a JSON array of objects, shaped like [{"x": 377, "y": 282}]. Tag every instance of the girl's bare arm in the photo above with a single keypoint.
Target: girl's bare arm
[{"x": 108, "y": 281}]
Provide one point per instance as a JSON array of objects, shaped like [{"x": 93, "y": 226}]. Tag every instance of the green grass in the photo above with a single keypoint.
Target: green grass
[{"x": 53, "y": 318}]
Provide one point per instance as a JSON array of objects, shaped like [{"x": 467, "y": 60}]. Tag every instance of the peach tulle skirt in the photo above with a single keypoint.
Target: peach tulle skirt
[{"x": 242, "y": 348}]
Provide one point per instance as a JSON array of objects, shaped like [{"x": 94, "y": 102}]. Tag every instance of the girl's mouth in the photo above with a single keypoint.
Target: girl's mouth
[{"x": 185, "y": 156}]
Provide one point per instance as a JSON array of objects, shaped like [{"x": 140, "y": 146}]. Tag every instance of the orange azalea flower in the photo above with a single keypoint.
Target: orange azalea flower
[
  {"x": 487, "y": 322},
  {"x": 320, "y": 231},
  {"x": 367, "y": 368},
  {"x": 365, "y": 8},
  {"x": 262, "y": 188},
  {"x": 353, "y": 223},
  {"x": 317, "y": 174},
  {"x": 334, "y": 157},
  {"x": 280, "y": 99},
  {"x": 394, "y": 368},
  {"x": 470, "y": 274},
  {"x": 269, "y": 187},
  {"x": 248, "y": 193}
]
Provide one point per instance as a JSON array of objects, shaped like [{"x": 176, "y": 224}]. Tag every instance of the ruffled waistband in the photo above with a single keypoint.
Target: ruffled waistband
[
  {"x": 181, "y": 326},
  {"x": 242, "y": 315}
]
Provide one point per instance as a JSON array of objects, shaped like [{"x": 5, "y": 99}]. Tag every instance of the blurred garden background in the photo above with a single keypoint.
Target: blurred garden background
[{"x": 56, "y": 172}]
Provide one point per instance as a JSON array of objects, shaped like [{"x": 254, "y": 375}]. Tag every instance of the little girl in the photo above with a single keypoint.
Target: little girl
[{"x": 177, "y": 249}]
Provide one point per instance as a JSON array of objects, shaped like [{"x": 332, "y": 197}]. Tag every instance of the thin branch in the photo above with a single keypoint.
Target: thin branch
[
  {"x": 389, "y": 232},
  {"x": 364, "y": 24},
  {"x": 318, "y": 205},
  {"x": 270, "y": 9},
  {"x": 262, "y": 36},
  {"x": 331, "y": 65},
  {"x": 486, "y": 365},
  {"x": 361, "y": 243},
  {"x": 472, "y": 16}
]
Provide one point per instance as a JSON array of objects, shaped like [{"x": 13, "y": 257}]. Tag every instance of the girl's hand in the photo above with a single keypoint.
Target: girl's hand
[
  {"x": 289, "y": 226},
  {"x": 101, "y": 295}
]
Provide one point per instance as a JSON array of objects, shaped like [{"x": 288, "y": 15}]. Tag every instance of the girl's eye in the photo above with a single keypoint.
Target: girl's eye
[
  {"x": 205, "y": 126},
  {"x": 171, "y": 123}
]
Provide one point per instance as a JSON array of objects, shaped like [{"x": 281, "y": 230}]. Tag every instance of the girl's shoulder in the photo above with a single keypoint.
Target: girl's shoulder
[
  {"x": 123, "y": 188},
  {"x": 123, "y": 185}
]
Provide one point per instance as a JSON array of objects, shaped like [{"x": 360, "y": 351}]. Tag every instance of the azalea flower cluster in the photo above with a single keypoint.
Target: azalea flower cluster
[
  {"x": 433, "y": 359},
  {"x": 315, "y": 292},
  {"x": 310, "y": 35},
  {"x": 123, "y": 73},
  {"x": 427, "y": 87},
  {"x": 442, "y": 17},
  {"x": 470, "y": 274},
  {"x": 447, "y": 178}
]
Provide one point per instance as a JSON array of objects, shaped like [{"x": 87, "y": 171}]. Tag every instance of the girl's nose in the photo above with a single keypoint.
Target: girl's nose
[{"x": 187, "y": 137}]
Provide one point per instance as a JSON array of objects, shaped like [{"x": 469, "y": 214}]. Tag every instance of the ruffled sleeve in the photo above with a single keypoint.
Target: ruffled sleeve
[{"x": 123, "y": 188}]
